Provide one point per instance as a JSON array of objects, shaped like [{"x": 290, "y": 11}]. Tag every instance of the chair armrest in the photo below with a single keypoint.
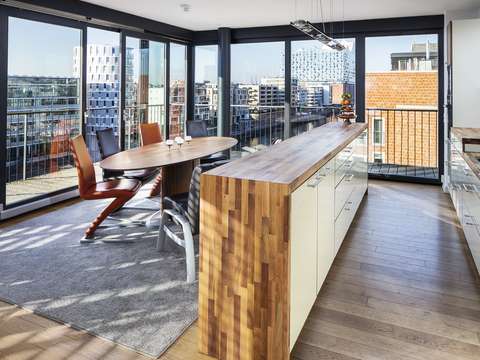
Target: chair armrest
[
  {"x": 180, "y": 220},
  {"x": 169, "y": 203}
]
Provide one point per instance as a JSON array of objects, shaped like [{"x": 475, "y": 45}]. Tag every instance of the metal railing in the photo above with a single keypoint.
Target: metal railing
[
  {"x": 256, "y": 127},
  {"x": 38, "y": 142},
  {"x": 403, "y": 142},
  {"x": 135, "y": 115}
]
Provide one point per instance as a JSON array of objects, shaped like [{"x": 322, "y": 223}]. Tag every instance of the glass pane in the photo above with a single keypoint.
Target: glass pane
[
  {"x": 257, "y": 94},
  {"x": 178, "y": 77},
  {"x": 43, "y": 108},
  {"x": 144, "y": 87},
  {"x": 320, "y": 76},
  {"x": 401, "y": 84},
  {"x": 103, "y": 86},
  {"x": 206, "y": 90}
]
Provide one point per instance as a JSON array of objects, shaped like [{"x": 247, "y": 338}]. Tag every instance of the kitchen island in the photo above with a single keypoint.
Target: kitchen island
[{"x": 271, "y": 224}]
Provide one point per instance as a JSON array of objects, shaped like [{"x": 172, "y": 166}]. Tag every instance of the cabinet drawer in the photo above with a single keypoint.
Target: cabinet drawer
[
  {"x": 341, "y": 227},
  {"x": 471, "y": 230},
  {"x": 343, "y": 170},
  {"x": 343, "y": 156},
  {"x": 343, "y": 191}
]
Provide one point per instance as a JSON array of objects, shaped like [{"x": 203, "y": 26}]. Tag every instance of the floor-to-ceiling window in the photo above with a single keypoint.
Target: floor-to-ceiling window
[
  {"x": 257, "y": 94},
  {"x": 145, "y": 66},
  {"x": 178, "y": 87},
  {"x": 206, "y": 86},
  {"x": 401, "y": 101},
  {"x": 43, "y": 107},
  {"x": 103, "y": 85},
  {"x": 320, "y": 77}
]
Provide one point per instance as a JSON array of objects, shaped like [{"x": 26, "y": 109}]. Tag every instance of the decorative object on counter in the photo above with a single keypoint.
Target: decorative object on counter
[
  {"x": 169, "y": 143},
  {"x": 188, "y": 139},
  {"x": 347, "y": 114}
]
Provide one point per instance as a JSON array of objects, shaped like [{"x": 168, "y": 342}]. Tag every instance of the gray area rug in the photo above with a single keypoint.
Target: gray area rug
[{"x": 128, "y": 293}]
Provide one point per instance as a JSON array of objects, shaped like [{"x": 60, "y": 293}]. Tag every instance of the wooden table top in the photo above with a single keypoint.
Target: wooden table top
[
  {"x": 294, "y": 160},
  {"x": 158, "y": 155}
]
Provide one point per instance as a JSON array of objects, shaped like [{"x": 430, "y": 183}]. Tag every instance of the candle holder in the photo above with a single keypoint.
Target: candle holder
[
  {"x": 179, "y": 141},
  {"x": 169, "y": 143}
]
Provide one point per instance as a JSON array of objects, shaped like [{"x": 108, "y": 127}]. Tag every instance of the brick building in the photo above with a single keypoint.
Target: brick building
[{"x": 402, "y": 112}]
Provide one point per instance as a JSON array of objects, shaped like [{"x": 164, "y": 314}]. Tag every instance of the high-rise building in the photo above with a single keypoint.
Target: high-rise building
[
  {"x": 103, "y": 90},
  {"x": 325, "y": 66},
  {"x": 206, "y": 100}
]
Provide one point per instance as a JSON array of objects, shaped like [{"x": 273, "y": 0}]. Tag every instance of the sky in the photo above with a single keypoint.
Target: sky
[
  {"x": 44, "y": 49},
  {"x": 378, "y": 49}
]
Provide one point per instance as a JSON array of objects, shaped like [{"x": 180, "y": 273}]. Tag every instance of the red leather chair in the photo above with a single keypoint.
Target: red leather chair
[
  {"x": 152, "y": 134},
  {"x": 121, "y": 190}
]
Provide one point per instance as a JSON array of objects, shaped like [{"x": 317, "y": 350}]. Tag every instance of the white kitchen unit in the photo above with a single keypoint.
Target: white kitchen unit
[
  {"x": 322, "y": 210},
  {"x": 464, "y": 190}
]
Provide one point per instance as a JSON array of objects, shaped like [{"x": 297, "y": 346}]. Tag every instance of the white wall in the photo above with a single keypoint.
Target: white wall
[
  {"x": 466, "y": 79},
  {"x": 451, "y": 16}
]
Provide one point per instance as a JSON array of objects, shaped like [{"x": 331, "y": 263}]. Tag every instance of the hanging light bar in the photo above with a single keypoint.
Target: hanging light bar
[{"x": 307, "y": 28}]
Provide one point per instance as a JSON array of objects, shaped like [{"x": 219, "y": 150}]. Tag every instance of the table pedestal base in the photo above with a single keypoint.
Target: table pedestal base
[{"x": 176, "y": 178}]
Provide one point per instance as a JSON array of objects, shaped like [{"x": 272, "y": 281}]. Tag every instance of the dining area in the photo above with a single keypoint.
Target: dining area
[
  {"x": 172, "y": 168},
  {"x": 120, "y": 261}
]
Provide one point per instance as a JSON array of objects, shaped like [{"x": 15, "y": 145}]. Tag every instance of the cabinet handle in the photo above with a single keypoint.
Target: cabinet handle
[
  {"x": 454, "y": 187},
  {"x": 470, "y": 223},
  {"x": 469, "y": 188},
  {"x": 349, "y": 177},
  {"x": 315, "y": 183}
]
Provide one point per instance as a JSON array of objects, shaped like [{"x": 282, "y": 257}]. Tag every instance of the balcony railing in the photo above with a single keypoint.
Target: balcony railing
[
  {"x": 256, "y": 127},
  {"x": 140, "y": 114},
  {"x": 403, "y": 142},
  {"x": 38, "y": 158}
]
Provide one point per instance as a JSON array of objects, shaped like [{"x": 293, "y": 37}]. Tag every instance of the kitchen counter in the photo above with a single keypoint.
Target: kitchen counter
[
  {"x": 470, "y": 157},
  {"x": 463, "y": 171},
  {"x": 271, "y": 224},
  {"x": 294, "y": 160}
]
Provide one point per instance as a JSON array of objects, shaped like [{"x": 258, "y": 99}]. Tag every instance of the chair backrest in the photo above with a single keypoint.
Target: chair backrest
[
  {"x": 83, "y": 163},
  {"x": 150, "y": 133},
  {"x": 107, "y": 143},
  {"x": 197, "y": 128},
  {"x": 193, "y": 206}
]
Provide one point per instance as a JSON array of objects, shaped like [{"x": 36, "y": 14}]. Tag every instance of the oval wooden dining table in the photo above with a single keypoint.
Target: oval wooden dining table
[{"x": 177, "y": 163}]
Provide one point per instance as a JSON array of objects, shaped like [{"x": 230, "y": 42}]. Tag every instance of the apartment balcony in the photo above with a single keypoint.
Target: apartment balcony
[{"x": 403, "y": 143}]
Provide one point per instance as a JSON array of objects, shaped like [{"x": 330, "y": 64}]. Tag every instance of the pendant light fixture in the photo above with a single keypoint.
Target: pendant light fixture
[{"x": 309, "y": 29}]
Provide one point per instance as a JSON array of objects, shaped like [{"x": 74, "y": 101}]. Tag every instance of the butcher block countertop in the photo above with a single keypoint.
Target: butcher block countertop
[
  {"x": 469, "y": 157},
  {"x": 294, "y": 160}
]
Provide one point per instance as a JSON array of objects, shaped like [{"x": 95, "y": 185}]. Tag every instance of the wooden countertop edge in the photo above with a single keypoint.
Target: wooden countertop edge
[
  {"x": 325, "y": 159},
  {"x": 301, "y": 178}
]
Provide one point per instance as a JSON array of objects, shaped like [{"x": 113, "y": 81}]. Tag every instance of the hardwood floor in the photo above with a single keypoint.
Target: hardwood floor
[{"x": 403, "y": 286}]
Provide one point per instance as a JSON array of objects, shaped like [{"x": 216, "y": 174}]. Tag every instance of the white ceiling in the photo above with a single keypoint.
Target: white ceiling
[{"x": 212, "y": 14}]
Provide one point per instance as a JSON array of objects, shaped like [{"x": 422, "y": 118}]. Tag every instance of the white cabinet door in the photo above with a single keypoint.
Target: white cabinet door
[
  {"x": 303, "y": 255},
  {"x": 325, "y": 222}
]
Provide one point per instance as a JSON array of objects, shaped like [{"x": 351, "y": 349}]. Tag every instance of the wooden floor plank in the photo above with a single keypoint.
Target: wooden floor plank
[{"x": 403, "y": 287}]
